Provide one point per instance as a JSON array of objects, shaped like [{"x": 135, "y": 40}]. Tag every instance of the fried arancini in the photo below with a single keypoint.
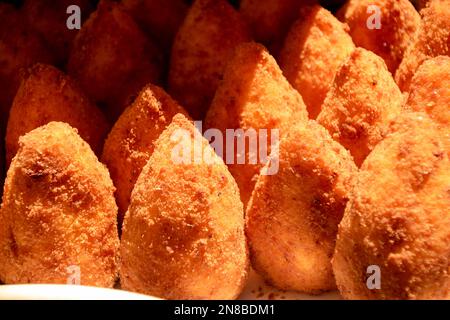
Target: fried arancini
[
  {"x": 49, "y": 19},
  {"x": 58, "y": 212},
  {"x": 361, "y": 101},
  {"x": 20, "y": 47},
  {"x": 315, "y": 47},
  {"x": 48, "y": 95},
  {"x": 433, "y": 40},
  {"x": 293, "y": 216},
  {"x": 430, "y": 91},
  {"x": 270, "y": 20},
  {"x": 183, "y": 234},
  {"x": 397, "y": 218},
  {"x": 399, "y": 24},
  {"x": 131, "y": 141},
  {"x": 253, "y": 95},
  {"x": 112, "y": 59},
  {"x": 209, "y": 34},
  {"x": 158, "y": 18}
]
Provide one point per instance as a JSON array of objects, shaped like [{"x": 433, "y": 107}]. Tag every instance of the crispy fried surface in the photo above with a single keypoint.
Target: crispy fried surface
[
  {"x": 399, "y": 25},
  {"x": 253, "y": 95},
  {"x": 131, "y": 141},
  {"x": 49, "y": 19},
  {"x": 315, "y": 47},
  {"x": 397, "y": 218},
  {"x": 430, "y": 91},
  {"x": 158, "y": 18},
  {"x": 49, "y": 95},
  {"x": 433, "y": 40},
  {"x": 58, "y": 211},
  {"x": 183, "y": 235},
  {"x": 112, "y": 59},
  {"x": 209, "y": 34},
  {"x": 292, "y": 217},
  {"x": 270, "y": 20},
  {"x": 20, "y": 47},
  {"x": 361, "y": 101}
]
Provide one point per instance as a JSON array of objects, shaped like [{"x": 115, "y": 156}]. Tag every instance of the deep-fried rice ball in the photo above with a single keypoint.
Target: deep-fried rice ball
[
  {"x": 183, "y": 234},
  {"x": 112, "y": 59},
  {"x": 47, "y": 95},
  {"x": 397, "y": 218},
  {"x": 58, "y": 213},
  {"x": 399, "y": 23},
  {"x": 209, "y": 34},
  {"x": 433, "y": 40},
  {"x": 254, "y": 95},
  {"x": 131, "y": 141},
  {"x": 361, "y": 101},
  {"x": 315, "y": 47},
  {"x": 292, "y": 217}
]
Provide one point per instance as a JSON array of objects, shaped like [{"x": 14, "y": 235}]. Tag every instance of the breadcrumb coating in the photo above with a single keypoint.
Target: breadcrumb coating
[
  {"x": 362, "y": 100},
  {"x": 397, "y": 218},
  {"x": 293, "y": 216},
  {"x": 183, "y": 235},
  {"x": 132, "y": 139},
  {"x": 315, "y": 47},
  {"x": 253, "y": 95},
  {"x": 58, "y": 211},
  {"x": 62, "y": 100},
  {"x": 209, "y": 34}
]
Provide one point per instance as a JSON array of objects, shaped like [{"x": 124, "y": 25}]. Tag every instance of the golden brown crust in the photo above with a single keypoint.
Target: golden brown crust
[
  {"x": 253, "y": 95},
  {"x": 315, "y": 47},
  {"x": 433, "y": 39},
  {"x": 49, "y": 95},
  {"x": 160, "y": 19},
  {"x": 399, "y": 25},
  {"x": 209, "y": 34},
  {"x": 292, "y": 217},
  {"x": 361, "y": 101},
  {"x": 397, "y": 218},
  {"x": 131, "y": 141},
  {"x": 430, "y": 90},
  {"x": 183, "y": 234},
  {"x": 58, "y": 211},
  {"x": 112, "y": 59}
]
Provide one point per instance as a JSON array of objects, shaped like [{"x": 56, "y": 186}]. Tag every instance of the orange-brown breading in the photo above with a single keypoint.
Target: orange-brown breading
[
  {"x": 315, "y": 47},
  {"x": 397, "y": 218},
  {"x": 361, "y": 101},
  {"x": 112, "y": 59},
  {"x": 131, "y": 141},
  {"x": 253, "y": 95},
  {"x": 270, "y": 20},
  {"x": 433, "y": 40},
  {"x": 160, "y": 19},
  {"x": 430, "y": 91},
  {"x": 58, "y": 212},
  {"x": 20, "y": 47},
  {"x": 49, "y": 19},
  {"x": 209, "y": 34},
  {"x": 48, "y": 95},
  {"x": 293, "y": 216},
  {"x": 183, "y": 234},
  {"x": 399, "y": 23}
]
